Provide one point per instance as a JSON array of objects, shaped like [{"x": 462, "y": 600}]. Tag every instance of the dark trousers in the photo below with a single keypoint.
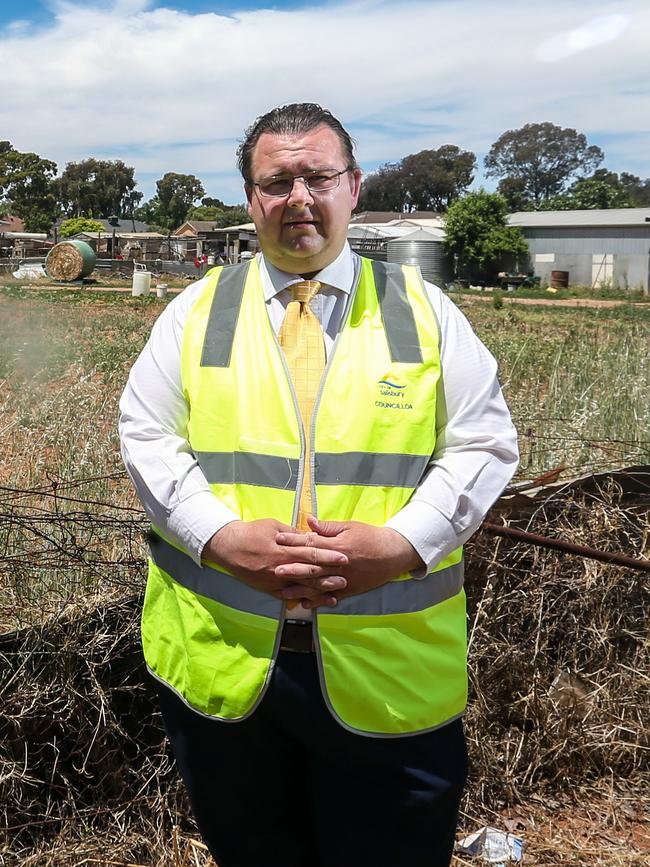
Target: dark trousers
[{"x": 290, "y": 787}]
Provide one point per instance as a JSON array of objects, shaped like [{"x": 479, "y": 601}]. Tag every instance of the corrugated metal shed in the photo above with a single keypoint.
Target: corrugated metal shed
[
  {"x": 608, "y": 247},
  {"x": 587, "y": 218}
]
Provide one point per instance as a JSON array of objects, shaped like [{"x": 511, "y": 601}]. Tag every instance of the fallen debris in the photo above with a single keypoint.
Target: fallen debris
[
  {"x": 492, "y": 845},
  {"x": 568, "y": 691},
  {"x": 643, "y": 565},
  {"x": 29, "y": 272}
]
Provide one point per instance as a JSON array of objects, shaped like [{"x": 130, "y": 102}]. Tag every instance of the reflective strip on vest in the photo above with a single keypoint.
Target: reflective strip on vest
[
  {"x": 224, "y": 313},
  {"x": 397, "y": 313},
  {"x": 246, "y": 468},
  {"x": 369, "y": 469},
  {"x": 405, "y": 597},
  {"x": 395, "y": 597},
  {"x": 211, "y": 583},
  {"x": 347, "y": 468}
]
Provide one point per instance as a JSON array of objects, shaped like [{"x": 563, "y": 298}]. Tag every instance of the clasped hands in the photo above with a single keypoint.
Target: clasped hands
[{"x": 333, "y": 560}]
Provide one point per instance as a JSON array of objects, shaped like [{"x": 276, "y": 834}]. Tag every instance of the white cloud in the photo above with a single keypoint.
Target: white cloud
[
  {"x": 169, "y": 91},
  {"x": 597, "y": 31}
]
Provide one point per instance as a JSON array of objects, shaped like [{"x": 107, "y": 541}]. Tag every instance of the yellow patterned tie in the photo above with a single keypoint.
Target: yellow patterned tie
[{"x": 301, "y": 338}]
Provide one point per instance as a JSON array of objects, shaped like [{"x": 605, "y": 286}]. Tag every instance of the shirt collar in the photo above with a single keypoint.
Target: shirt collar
[{"x": 339, "y": 274}]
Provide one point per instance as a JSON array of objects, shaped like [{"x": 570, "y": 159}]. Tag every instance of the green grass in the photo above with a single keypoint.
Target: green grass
[{"x": 576, "y": 292}]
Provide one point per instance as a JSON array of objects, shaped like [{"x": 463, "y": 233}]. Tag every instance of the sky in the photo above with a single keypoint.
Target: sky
[{"x": 171, "y": 86}]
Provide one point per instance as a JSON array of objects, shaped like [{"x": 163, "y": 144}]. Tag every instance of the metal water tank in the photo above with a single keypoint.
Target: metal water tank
[{"x": 425, "y": 249}]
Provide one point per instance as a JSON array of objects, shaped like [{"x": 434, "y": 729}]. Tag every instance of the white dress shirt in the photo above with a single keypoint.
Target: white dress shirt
[{"x": 476, "y": 447}]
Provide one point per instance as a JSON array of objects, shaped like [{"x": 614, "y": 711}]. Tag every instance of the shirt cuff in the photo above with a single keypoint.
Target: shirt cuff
[
  {"x": 428, "y": 530},
  {"x": 196, "y": 519}
]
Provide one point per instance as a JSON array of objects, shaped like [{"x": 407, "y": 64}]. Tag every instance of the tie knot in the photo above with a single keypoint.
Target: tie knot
[{"x": 305, "y": 290}]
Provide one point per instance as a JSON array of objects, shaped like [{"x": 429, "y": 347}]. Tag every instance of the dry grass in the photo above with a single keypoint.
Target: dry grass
[
  {"x": 84, "y": 770},
  {"x": 85, "y": 777},
  {"x": 576, "y": 382}
]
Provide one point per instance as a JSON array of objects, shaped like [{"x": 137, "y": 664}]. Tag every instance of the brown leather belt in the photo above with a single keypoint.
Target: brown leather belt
[{"x": 297, "y": 636}]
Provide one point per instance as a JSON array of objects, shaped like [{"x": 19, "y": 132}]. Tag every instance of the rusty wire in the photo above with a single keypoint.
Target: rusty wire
[{"x": 560, "y": 681}]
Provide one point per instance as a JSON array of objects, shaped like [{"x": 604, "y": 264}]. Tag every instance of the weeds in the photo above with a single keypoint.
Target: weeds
[
  {"x": 84, "y": 775},
  {"x": 575, "y": 380}
]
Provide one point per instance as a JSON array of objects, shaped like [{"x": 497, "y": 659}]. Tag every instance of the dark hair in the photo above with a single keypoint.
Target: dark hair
[{"x": 293, "y": 119}]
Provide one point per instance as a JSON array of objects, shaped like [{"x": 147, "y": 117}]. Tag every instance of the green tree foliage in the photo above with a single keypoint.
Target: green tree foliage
[
  {"x": 225, "y": 215},
  {"x": 98, "y": 188},
  {"x": 604, "y": 189},
  {"x": 233, "y": 215},
  {"x": 436, "y": 178},
  {"x": 637, "y": 189},
  {"x": 211, "y": 202},
  {"x": 176, "y": 194},
  {"x": 539, "y": 161},
  {"x": 588, "y": 193},
  {"x": 383, "y": 190},
  {"x": 427, "y": 181},
  {"x": 477, "y": 234},
  {"x": 27, "y": 182},
  {"x": 71, "y": 227},
  {"x": 151, "y": 213},
  {"x": 204, "y": 212}
]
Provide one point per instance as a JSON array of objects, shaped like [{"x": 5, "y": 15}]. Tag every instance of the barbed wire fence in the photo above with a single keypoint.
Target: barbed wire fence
[{"x": 560, "y": 680}]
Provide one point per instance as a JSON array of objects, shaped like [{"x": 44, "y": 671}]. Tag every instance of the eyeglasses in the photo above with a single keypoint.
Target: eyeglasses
[{"x": 279, "y": 186}]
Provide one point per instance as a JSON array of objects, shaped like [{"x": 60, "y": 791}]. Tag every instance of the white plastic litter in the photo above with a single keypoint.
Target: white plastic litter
[
  {"x": 492, "y": 845},
  {"x": 29, "y": 272}
]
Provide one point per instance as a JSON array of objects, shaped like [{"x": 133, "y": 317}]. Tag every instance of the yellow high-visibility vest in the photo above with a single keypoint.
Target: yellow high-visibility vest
[{"x": 392, "y": 660}]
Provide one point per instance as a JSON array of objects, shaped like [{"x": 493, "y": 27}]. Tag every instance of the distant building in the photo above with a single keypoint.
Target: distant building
[
  {"x": 417, "y": 217},
  {"x": 136, "y": 246},
  {"x": 204, "y": 229},
  {"x": 124, "y": 224},
  {"x": 195, "y": 238},
  {"x": 11, "y": 223},
  {"x": 16, "y": 243},
  {"x": 596, "y": 247}
]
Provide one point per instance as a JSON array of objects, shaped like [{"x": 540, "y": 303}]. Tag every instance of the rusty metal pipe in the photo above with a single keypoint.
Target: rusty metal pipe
[{"x": 569, "y": 547}]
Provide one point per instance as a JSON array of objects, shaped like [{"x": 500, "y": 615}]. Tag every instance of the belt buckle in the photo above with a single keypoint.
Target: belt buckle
[{"x": 297, "y": 636}]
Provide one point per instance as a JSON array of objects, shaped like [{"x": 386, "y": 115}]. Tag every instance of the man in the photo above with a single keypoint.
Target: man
[{"x": 314, "y": 436}]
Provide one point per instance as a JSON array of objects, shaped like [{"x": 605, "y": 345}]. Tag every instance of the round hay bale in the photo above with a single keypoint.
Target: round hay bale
[{"x": 70, "y": 260}]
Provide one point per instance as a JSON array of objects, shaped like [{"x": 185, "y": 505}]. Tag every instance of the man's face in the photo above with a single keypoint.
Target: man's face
[{"x": 304, "y": 231}]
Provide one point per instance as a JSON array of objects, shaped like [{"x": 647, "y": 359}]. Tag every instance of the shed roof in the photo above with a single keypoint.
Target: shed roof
[
  {"x": 138, "y": 236},
  {"x": 423, "y": 235},
  {"x": 377, "y": 230},
  {"x": 587, "y": 218},
  {"x": 390, "y": 216},
  {"x": 241, "y": 227},
  {"x": 390, "y": 231},
  {"x": 124, "y": 224},
  {"x": 431, "y": 222},
  {"x": 197, "y": 225}
]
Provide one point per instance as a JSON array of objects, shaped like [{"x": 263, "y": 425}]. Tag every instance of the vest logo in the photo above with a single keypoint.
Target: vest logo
[{"x": 392, "y": 392}]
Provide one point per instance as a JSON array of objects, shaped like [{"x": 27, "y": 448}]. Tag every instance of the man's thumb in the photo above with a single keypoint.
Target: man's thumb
[{"x": 325, "y": 528}]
